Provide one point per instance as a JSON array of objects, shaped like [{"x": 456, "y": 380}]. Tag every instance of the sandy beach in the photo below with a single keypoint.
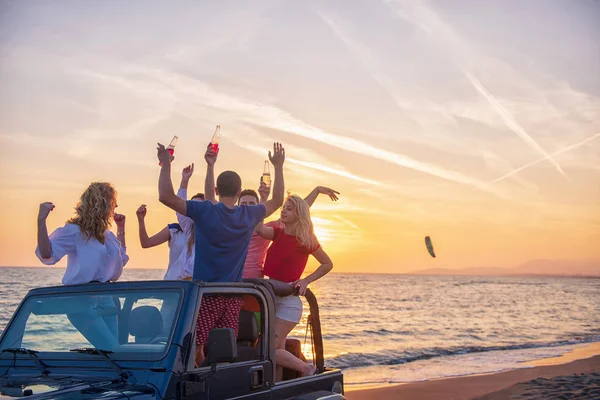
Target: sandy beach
[{"x": 573, "y": 375}]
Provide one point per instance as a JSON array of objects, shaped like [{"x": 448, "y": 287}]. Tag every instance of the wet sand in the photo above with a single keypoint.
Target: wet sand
[{"x": 575, "y": 375}]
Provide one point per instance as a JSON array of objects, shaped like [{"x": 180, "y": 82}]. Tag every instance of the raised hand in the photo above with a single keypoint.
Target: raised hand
[
  {"x": 210, "y": 156},
  {"x": 188, "y": 172},
  {"x": 164, "y": 157},
  {"x": 278, "y": 156},
  {"x": 120, "y": 220},
  {"x": 329, "y": 192},
  {"x": 264, "y": 191},
  {"x": 45, "y": 209},
  {"x": 141, "y": 212}
]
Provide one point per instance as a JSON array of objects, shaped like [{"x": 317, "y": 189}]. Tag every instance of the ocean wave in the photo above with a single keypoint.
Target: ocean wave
[
  {"x": 494, "y": 282},
  {"x": 380, "y": 332},
  {"x": 395, "y": 357},
  {"x": 367, "y": 333}
]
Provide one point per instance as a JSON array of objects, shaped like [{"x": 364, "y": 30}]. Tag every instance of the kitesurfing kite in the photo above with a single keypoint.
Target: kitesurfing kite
[{"x": 429, "y": 246}]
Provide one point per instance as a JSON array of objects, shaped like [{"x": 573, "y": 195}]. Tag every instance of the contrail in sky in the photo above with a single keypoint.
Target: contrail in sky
[
  {"x": 319, "y": 167},
  {"x": 564, "y": 150},
  {"x": 172, "y": 85},
  {"x": 510, "y": 121},
  {"x": 423, "y": 16}
]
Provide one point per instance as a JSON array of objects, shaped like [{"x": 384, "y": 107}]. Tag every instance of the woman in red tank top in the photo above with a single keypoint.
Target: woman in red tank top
[{"x": 286, "y": 259}]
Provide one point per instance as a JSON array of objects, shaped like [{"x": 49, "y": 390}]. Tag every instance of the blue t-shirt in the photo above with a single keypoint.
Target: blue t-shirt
[{"x": 222, "y": 236}]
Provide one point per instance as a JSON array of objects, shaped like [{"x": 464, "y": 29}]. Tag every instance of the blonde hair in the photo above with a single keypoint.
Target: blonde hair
[
  {"x": 303, "y": 227},
  {"x": 95, "y": 210}
]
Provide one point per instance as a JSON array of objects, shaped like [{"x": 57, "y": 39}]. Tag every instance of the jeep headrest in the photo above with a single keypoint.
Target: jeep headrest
[
  {"x": 248, "y": 327},
  {"x": 145, "y": 322}
]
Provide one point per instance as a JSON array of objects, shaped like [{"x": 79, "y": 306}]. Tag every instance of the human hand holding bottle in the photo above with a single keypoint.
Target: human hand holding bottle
[
  {"x": 263, "y": 192},
  {"x": 171, "y": 149},
  {"x": 210, "y": 156},
  {"x": 164, "y": 157}
]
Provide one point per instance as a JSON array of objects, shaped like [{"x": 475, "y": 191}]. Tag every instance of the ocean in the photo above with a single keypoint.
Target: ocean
[{"x": 406, "y": 328}]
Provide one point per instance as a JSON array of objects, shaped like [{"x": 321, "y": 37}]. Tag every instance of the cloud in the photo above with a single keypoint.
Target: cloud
[
  {"x": 347, "y": 222},
  {"x": 95, "y": 144},
  {"x": 318, "y": 166},
  {"x": 188, "y": 91},
  {"x": 333, "y": 171},
  {"x": 423, "y": 111},
  {"x": 420, "y": 14}
]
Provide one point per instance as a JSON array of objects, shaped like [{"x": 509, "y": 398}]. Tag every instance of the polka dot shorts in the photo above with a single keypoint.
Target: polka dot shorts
[{"x": 217, "y": 312}]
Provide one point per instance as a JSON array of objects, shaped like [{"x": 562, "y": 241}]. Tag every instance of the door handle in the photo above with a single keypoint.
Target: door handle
[{"x": 257, "y": 377}]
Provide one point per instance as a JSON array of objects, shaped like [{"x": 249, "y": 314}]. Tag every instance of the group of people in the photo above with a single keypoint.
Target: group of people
[{"x": 222, "y": 240}]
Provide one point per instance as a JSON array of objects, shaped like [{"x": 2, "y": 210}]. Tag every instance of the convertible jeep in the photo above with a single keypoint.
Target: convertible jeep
[{"x": 136, "y": 340}]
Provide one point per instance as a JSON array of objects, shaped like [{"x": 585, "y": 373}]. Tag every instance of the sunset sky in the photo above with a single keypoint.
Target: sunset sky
[{"x": 476, "y": 123}]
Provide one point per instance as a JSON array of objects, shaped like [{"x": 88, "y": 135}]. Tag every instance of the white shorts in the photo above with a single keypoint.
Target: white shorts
[{"x": 288, "y": 308}]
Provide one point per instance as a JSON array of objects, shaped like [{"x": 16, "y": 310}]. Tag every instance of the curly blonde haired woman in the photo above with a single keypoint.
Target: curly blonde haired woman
[
  {"x": 93, "y": 252},
  {"x": 286, "y": 261}
]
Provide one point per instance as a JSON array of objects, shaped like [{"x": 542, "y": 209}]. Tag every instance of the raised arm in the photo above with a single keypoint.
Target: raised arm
[
  {"x": 52, "y": 248},
  {"x": 166, "y": 195},
  {"x": 324, "y": 268},
  {"x": 209, "y": 182},
  {"x": 277, "y": 159},
  {"x": 146, "y": 242},
  {"x": 312, "y": 196},
  {"x": 186, "y": 174},
  {"x": 44, "y": 246},
  {"x": 185, "y": 223},
  {"x": 263, "y": 192},
  {"x": 120, "y": 221},
  {"x": 265, "y": 232}
]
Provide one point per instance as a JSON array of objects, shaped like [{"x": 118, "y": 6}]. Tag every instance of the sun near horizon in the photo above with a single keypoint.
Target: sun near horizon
[{"x": 427, "y": 122}]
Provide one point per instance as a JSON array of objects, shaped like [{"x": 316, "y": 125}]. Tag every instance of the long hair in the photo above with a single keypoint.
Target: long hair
[
  {"x": 95, "y": 210},
  {"x": 303, "y": 228},
  {"x": 192, "y": 238},
  {"x": 190, "y": 242}
]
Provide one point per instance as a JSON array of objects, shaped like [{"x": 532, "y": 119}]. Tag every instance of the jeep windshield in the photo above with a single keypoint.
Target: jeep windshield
[{"x": 124, "y": 324}]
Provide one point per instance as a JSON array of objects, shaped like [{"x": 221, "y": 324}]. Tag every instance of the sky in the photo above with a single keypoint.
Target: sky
[{"x": 474, "y": 123}]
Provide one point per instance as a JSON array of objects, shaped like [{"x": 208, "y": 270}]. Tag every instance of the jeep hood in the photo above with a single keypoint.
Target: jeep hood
[{"x": 52, "y": 391}]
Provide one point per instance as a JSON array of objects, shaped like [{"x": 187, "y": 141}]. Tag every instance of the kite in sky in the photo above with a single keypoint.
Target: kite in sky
[{"x": 429, "y": 246}]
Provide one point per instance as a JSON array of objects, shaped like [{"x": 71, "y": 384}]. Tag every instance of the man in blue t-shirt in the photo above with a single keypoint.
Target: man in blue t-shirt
[{"x": 222, "y": 235}]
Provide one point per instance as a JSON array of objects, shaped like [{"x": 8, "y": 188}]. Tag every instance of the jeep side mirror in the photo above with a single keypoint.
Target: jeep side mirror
[{"x": 221, "y": 346}]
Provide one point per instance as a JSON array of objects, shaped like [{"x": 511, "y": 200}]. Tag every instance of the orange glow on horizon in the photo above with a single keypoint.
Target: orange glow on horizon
[{"x": 493, "y": 155}]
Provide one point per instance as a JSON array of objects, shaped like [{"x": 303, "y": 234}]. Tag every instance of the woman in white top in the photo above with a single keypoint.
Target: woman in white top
[
  {"x": 93, "y": 253},
  {"x": 173, "y": 234},
  {"x": 187, "y": 225},
  {"x": 177, "y": 240}
]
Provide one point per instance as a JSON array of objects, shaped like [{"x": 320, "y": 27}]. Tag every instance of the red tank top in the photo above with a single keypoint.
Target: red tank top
[{"x": 286, "y": 258}]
